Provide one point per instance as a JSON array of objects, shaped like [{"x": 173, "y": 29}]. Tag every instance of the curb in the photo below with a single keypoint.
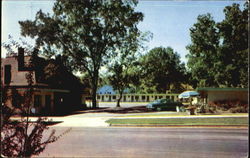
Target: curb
[{"x": 182, "y": 126}]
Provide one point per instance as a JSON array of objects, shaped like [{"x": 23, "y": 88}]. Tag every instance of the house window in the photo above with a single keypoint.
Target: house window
[
  {"x": 143, "y": 97},
  {"x": 7, "y": 74},
  {"x": 114, "y": 97},
  {"x": 37, "y": 100}
]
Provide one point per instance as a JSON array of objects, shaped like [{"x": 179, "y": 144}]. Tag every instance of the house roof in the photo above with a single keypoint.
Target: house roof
[{"x": 221, "y": 89}]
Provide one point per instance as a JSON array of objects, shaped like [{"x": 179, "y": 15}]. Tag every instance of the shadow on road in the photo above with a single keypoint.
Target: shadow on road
[
  {"x": 114, "y": 110},
  {"x": 120, "y": 110}
]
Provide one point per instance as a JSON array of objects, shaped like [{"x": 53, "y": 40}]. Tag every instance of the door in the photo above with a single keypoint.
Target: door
[{"x": 47, "y": 104}]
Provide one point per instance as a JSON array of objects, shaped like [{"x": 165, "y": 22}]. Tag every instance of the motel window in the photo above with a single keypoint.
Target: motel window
[
  {"x": 136, "y": 98},
  {"x": 37, "y": 100},
  {"x": 143, "y": 97}
]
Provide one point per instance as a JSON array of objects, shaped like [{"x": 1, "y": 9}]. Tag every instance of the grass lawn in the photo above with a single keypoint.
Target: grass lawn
[
  {"x": 180, "y": 121},
  {"x": 163, "y": 114}
]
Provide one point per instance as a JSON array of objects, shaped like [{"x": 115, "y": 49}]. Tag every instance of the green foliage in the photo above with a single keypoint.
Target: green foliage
[
  {"x": 87, "y": 32},
  {"x": 218, "y": 54},
  {"x": 161, "y": 69},
  {"x": 121, "y": 71},
  {"x": 203, "y": 50}
]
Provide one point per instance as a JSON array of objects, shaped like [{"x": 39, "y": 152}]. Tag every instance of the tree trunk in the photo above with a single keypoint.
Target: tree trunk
[
  {"x": 94, "y": 89},
  {"x": 94, "y": 103},
  {"x": 119, "y": 99}
]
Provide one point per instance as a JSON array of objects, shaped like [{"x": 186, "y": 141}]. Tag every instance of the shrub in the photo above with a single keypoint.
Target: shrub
[
  {"x": 231, "y": 105},
  {"x": 22, "y": 138},
  {"x": 206, "y": 109},
  {"x": 240, "y": 109}
]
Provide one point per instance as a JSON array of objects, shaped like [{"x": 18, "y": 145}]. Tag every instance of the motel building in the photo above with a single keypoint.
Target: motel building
[{"x": 107, "y": 94}]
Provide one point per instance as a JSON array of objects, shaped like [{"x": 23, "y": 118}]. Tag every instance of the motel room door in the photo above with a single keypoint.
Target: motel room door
[{"x": 48, "y": 104}]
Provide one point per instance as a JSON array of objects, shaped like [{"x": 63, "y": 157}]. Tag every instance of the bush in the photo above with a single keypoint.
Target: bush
[
  {"x": 240, "y": 109},
  {"x": 206, "y": 109},
  {"x": 230, "y": 105},
  {"x": 22, "y": 138}
]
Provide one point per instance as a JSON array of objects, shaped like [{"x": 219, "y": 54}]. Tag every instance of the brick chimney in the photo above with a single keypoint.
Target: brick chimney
[{"x": 20, "y": 59}]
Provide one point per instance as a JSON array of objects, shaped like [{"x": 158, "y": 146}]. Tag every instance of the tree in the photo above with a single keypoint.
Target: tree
[
  {"x": 121, "y": 77},
  {"x": 203, "y": 50},
  {"x": 161, "y": 68},
  {"x": 233, "y": 32},
  {"x": 218, "y": 52},
  {"x": 121, "y": 71},
  {"x": 87, "y": 32}
]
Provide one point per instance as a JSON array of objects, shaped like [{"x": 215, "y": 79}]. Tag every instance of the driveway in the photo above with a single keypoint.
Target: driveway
[{"x": 91, "y": 119}]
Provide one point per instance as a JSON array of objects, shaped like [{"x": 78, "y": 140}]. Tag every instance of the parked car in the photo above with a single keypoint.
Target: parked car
[{"x": 165, "y": 104}]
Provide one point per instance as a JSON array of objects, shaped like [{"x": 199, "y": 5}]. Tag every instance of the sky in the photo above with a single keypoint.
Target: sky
[{"x": 168, "y": 21}]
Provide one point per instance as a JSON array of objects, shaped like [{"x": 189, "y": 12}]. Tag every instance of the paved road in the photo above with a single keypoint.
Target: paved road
[{"x": 150, "y": 142}]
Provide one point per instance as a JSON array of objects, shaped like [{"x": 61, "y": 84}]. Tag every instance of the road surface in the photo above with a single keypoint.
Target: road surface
[{"x": 150, "y": 143}]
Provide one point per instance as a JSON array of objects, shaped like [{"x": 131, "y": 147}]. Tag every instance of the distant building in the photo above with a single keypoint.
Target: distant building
[
  {"x": 107, "y": 94},
  {"x": 53, "y": 92},
  {"x": 106, "y": 89},
  {"x": 209, "y": 94},
  {"x": 131, "y": 97}
]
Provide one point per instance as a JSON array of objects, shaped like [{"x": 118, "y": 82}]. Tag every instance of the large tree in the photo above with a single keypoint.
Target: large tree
[
  {"x": 233, "y": 32},
  {"x": 121, "y": 70},
  {"x": 218, "y": 54},
  {"x": 121, "y": 74},
  {"x": 161, "y": 68},
  {"x": 203, "y": 50},
  {"x": 86, "y": 31}
]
